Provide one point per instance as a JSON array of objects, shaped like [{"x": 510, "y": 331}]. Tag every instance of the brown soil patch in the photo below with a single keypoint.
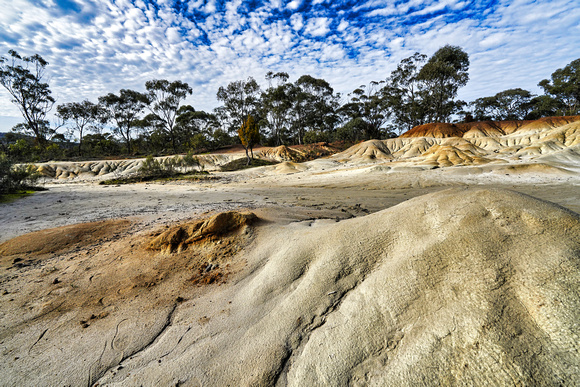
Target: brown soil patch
[
  {"x": 63, "y": 239},
  {"x": 178, "y": 237},
  {"x": 96, "y": 279},
  {"x": 437, "y": 130},
  {"x": 532, "y": 168},
  {"x": 549, "y": 122},
  {"x": 486, "y": 128}
]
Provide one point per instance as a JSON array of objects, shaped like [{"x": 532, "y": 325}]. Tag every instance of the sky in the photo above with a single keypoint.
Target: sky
[{"x": 95, "y": 47}]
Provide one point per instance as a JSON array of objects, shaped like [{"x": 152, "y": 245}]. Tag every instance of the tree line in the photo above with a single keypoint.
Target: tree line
[{"x": 420, "y": 90}]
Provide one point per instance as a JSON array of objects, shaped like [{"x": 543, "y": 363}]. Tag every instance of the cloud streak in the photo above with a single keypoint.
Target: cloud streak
[{"x": 96, "y": 47}]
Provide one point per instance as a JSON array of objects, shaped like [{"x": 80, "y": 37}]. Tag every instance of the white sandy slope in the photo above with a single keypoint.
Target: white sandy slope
[{"x": 463, "y": 286}]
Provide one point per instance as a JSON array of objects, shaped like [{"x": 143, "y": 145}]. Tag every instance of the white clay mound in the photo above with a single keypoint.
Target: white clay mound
[{"x": 459, "y": 287}]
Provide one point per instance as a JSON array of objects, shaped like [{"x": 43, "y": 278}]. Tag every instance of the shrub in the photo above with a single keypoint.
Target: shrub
[
  {"x": 189, "y": 160},
  {"x": 15, "y": 177},
  {"x": 315, "y": 136},
  {"x": 152, "y": 168}
]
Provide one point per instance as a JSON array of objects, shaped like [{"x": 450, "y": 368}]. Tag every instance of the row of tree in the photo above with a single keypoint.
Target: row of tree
[
  {"x": 561, "y": 97},
  {"x": 418, "y": 91}
]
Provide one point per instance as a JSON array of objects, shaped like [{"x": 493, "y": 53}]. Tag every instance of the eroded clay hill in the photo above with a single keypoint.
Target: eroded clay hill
[
  {"x": 553, "y": 140},
  {"x": 103, "y": 169},
  {"x": 460, "y": 287}
]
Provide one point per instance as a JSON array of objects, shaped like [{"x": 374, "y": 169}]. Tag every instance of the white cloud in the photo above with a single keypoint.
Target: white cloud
[
  {"x": 494, "y": 39},
  {"x": 210, "y": 7},
  {"x": 318, "y": 26},
  {"x": 342, "y": 26},
  {"x": 297, "y": 21},
  {"x": 294, "y": 4},
  {"x": 387, "y": 11}
]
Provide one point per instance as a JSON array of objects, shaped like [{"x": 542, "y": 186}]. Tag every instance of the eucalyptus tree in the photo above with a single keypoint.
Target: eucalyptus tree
[
  {"x": 164, "y": 100},
  {"x": 23, "y": 77},
  {"x": 198, "y": 128},
  {"x": 83, "y": 116},
  {"x": 564, "y": 86},
  {"x": 405, "y": 89},
  {"x": 369, "y": 108},
  {"x": 511, "y": 104},
  {"x": 545, "y": 106},
  {"x": 443, "y": 74},
  {"x": 275, "y": 105},
  {"x": 314, "y": 106},
  {"x": 240, "y": 99},
  {"x": 124, "y": 111}
]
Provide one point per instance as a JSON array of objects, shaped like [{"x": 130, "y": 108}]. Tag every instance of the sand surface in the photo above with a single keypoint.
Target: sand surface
[{"x": 413, "y": 261}]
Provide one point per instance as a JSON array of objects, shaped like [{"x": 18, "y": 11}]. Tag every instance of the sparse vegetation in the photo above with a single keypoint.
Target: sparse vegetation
[
  {"x": 167, "y": 169},
  {"x": 16, "y": 180}
]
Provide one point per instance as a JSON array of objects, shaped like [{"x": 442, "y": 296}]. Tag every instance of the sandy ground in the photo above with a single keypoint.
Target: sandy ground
[{"x": 309, "y": 194}]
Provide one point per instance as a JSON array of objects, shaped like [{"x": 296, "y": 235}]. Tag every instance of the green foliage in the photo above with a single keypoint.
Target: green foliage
[
  {"x": 275, "y": 107},
  {"x": 405, "y": 89},
  {"x": 23, "y": 77},
  {"x": 314, "y": 107},
  {"x": 124, "y": 111},
  {"x": 421, "y": 91},
  {"x": 443, "y": 74},
  {"x": 199, "y": 142},
  {"x": 511, "y": 104},
  {"x": 82, "y": 116},
  {"x": 53, "y": 152},
  {"x": 249, "y": 135},
  {"x": 168, "y": 166},
  {"x": 240, "y": 99},
  {"x": 98, "y": 145},
  {"x": 151, "y": 167},
  {"x": 21, "y": 150},
  {"x": 315, "y": 136},
  {"x": 164, "y": 100},
  {"x": 240, "y": 164},
  {"x": 189, "y": 160},
  {"x": 545, "y": 106},
  {"x": 15, "y": 177},
  {"x": 564, "y": 87},
  {"x": 352, "y": 131},
  {"x": 368, "y": 110}
]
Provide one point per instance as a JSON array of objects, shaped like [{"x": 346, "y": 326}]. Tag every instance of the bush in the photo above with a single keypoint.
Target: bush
[
  {"x": 191, "y": 161},
  {"x": 14, "y": 178},
  {"x": 153, "y": 168},
  {"x": 315, "y": 136}
]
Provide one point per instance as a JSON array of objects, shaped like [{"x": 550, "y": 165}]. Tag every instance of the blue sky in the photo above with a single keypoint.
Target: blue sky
[{"x": 96, "y": 47}]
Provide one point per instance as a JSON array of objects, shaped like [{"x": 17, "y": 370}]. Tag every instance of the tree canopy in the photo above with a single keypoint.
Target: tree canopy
[
  {"x": 124, "y": 111},
  {"x": 249, "y": 136},
  {"x": 164, "y": 100},
  {"x": 564, "y": 87},
  {"x": 23, "y": 77}
]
